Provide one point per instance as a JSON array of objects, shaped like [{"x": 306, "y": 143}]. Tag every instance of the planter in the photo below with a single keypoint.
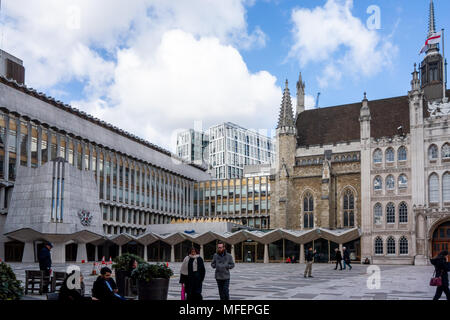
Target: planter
[
  {"x": 120, "y": 281},
  {"x": 156, "y": 289}
]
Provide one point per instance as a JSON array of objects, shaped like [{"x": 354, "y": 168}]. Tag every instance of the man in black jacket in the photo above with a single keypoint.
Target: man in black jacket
[
  {"x": 309, "y": 262},
  {"x": 347, "y": 258},
  {"x": 338, "y": 259},
  {"x": 105, "y": 288},
  {"x": 45, "y": 263},
  {"x": 441, "y": 268}
]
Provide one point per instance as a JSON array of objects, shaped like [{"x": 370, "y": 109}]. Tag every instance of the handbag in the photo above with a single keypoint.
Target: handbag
[
  {"x": 435, "y": 281},
  {"x": 183, "y": 292}
]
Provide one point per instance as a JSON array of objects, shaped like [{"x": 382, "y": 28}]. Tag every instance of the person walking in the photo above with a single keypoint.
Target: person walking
[
  {"x": 309, "y": 262},
  {"x": 347, "y": 258},
  {"x": 223, "y": 262},
  {"x": 192, "y": 274},
  {"x": 338, "y": 258},
  {"x": 441, "y": 267},
  {"x": 45, "y": 263}
]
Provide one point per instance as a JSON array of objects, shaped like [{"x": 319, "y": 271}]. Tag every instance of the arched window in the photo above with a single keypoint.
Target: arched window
[
  {"x": 349, "y": 209},
  {"x": 433, "y": 188},
  {"x": 402, "y": 154},
  {"x": 390, "y": 213},
  {"x": 403, "y": 245},
  {"x": 377, "y": 156},
  {"x": 390, "y": 182},
  {"x": 403, "y": 213},
  {"x": 391, "y": 245},
  {"x": 433, "y": 152},
  {"x": 446, "y": 187},
  {"x": 446, "y": 151},
  {"x": 308, "y": 211},
  {"x": 390, "y": 155},
  {"x": 377, "y": 183},
  {"x": 377, "y": 213},
  {"x": 402, "y": 182},
  {"x": 378, "y": 245}
]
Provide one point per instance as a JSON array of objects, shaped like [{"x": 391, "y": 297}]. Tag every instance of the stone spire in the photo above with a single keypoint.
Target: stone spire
[
  {"x": 365, "y": 111},
  {"x": 286, "y": 118},
  {"x": 300, "y": 95},
  {"x": 415, "y": 82},
  {"x": 432, "y": 20}
]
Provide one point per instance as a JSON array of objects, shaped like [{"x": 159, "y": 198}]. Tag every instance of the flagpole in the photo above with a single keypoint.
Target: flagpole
[{"x": 444, "y": 80}]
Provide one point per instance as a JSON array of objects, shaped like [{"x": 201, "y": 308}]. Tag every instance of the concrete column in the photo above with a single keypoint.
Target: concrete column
[
  {"x": 6, "y": 146},
  {"x": 172, "y": 253},
  {"x": 266, "y": 253},
  {"x": 18, "y": 142},
  {"x": 28, "y": 253},
  {"x": 232, "y": 252},
  {"x": 145, "y": 253},
  {"x": 302, "y": 253},
  {"x": 30, "y": 133},
  {"x": 96, "y": 253},
  {"x": 202, "y": 252},
  {"x": 58, "y": 253},
  {"x": 82, "y": 252},
  {"x": 111, "y": 177},
  {"x": 39, "y": 146},
  {"x": 75, "y": 153},
  {"x": 340, "y": 247},
  {"x": 83, "y": 153},
  {"x": 120, "y": 250}
]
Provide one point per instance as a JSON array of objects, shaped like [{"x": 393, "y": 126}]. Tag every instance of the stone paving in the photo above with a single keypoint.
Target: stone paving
[{"x": 286, "y": 281}]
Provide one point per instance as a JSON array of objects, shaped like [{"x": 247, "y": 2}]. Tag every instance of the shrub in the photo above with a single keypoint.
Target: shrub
[
  {"x": 123, "y": 263},
  {"x": 10, "y": 288},
  {"x": 146, "y": 272}
]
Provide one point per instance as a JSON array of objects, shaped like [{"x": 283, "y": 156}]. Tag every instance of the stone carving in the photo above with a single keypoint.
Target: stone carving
[
  {"x": 85, "y": 217},
  {"x": 437, "y": 109}
]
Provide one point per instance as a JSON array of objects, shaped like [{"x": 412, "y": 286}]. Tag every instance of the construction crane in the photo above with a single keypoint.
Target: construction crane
[{"x": 317, "y": 100}]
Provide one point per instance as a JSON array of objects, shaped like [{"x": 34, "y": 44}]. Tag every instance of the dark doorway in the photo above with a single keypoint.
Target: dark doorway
[
  {"x": 90, "y": 248},
  {"x": 322, "y": 251},
  {"x": 14, "y": 251},
  {"x": 71, "y": 252}
]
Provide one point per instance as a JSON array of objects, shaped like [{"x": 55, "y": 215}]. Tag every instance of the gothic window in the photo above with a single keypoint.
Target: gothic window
[
  {"x": 390, "y": 155},
  {"x": 446, "y": 187},
  {"x": 378, "y": 214},
  {"x": 403, "y": 213},
  {"x": 403, "y": 244},
  {"x": 402, "y": 154},
  {"x": 377, "y": 183},
  {"x": 308, "y": 211},
  {"x": 377, "y": 156},
  {"x": 378, "y": 245},
  {"x": 390, "y": 245},
  {"x": 446, "y": 151},
  {"x": 390, "y": 213},
  {"x": 433, "y": 188},
  {"x": 349, "y": 209},
  {"x": 402, "y": 181},
  {"x": 433, "y": 152},
  {"x": 390, "y": 182}
]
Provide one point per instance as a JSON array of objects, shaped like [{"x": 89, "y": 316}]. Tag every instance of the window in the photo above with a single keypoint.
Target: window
[
  {"x": 433, "y": 188},
  {"x": 377, "y": 183},
  {"x": 308, "y": 211},
  {"x": 402, "y": 182},
  {"x": 378, "y": 213},
  {"x": 349, "y": 209},
  {"x": 403, "y": 244},
  {"x": 390, "y": 213},
  {"x": 446, "y": 151},
  {"x": 402, "y": 155},
  {"x": 446, "y": 187},
  {"x": 390, "y": 155},
  {"x": 433, "y": 152},
  {"x": 390, "y": 245},
  {"x": 378, "y": 245},
  {"x": 403, "y": 213},
  {"x": 377, "y": 156},
  {"x": 390, "y": 182}
]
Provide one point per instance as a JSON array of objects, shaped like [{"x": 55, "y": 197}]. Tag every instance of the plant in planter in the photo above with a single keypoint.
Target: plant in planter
[
  {"x": 123, "y": 266},
  {"x": 153, "y": 281},
  {"x": 10, "y": 288}
]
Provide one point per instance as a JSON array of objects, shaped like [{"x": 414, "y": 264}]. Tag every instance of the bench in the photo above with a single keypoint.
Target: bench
[
  {"x": 57, "y": 280},
  {"x": 35, "y": 278}
]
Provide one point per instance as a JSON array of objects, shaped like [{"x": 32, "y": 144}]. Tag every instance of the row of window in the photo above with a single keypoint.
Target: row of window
[
  {"x": 433, "y": 152},
  {"x": 390, "y": 213},
  {"x": 402, "y": 155},
  {"x": 391, "y": 246},
  {"x": 402, "y": 182},
  {"x": 433, "y": 188}
]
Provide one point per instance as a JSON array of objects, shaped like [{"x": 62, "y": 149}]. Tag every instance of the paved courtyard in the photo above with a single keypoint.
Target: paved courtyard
[{"x": 286, "y": 281}]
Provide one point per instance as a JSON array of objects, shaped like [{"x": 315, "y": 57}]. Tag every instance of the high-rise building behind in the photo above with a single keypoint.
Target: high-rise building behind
[
  {"x": 192, "y": 146},
  {"x": 232, "y": 147}
]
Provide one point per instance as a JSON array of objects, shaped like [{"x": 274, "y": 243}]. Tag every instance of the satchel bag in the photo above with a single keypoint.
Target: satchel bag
[
  {"x": 435, "y": 281},
  {"x": 183, "y": 292}
]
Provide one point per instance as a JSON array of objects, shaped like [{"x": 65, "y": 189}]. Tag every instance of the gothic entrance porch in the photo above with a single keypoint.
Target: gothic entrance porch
[{"x": 441, "y": 238}]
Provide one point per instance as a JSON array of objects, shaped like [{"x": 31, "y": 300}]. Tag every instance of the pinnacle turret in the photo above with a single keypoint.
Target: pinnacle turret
[{"x": 286, "y": 118}]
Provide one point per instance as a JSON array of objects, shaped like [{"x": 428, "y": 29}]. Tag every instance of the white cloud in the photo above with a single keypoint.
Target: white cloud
[
  {"x": 331, "y": 33},
  {"x": 310, "y": 102},
  {"x": 147, "y": 66}
]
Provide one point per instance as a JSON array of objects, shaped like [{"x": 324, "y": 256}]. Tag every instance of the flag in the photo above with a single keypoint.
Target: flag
[{"x": 435, "y": 38}]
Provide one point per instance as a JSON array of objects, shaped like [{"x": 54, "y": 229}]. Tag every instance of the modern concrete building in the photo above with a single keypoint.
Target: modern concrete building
[{"x": 232, "y": 147}]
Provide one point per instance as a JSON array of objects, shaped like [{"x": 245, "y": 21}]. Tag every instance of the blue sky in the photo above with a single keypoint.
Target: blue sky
[{"x": 156, "y": 67}]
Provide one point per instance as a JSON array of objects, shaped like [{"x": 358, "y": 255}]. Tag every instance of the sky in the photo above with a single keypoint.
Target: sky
[{"x": 157, "y": 67}]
